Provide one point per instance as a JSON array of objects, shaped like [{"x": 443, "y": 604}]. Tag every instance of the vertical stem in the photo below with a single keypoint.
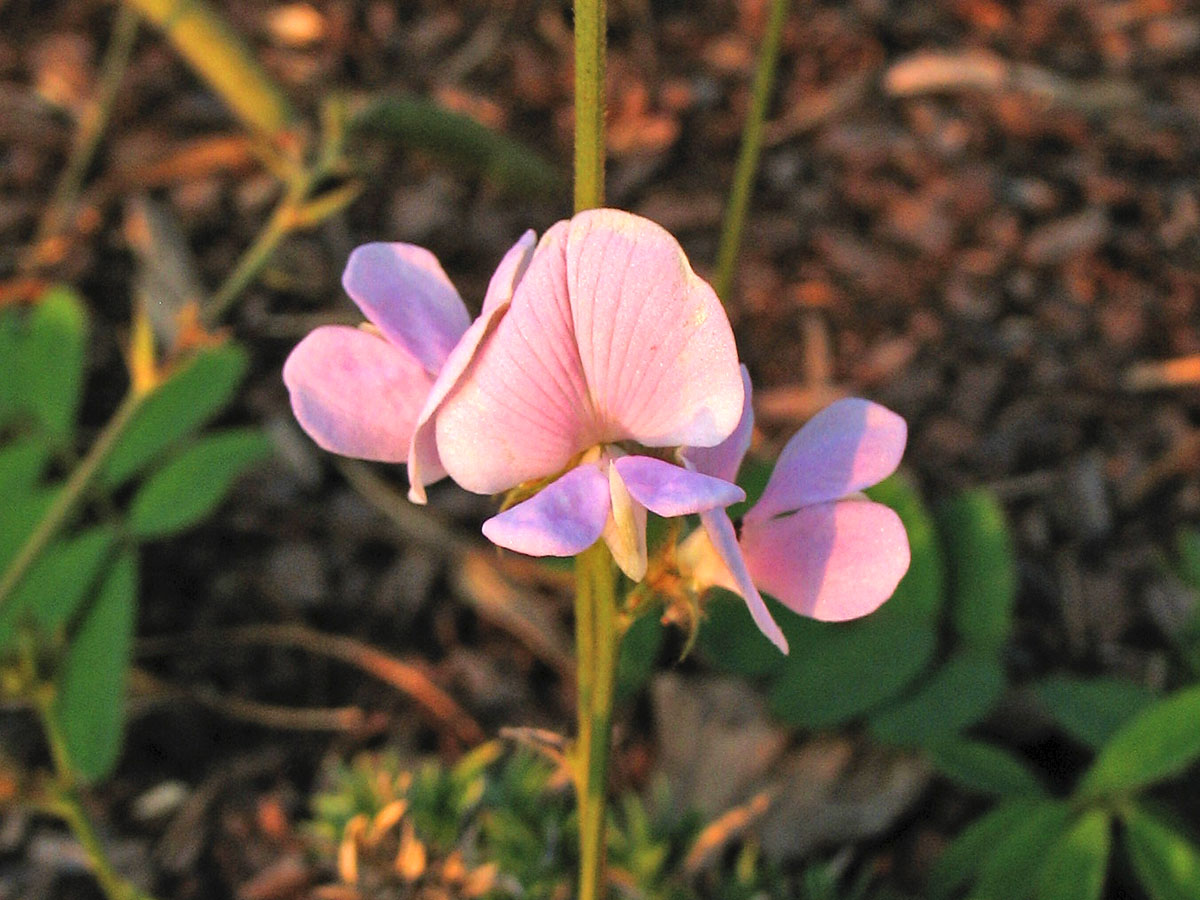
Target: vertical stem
[
  {"x": 747, "y": 163},
  {"x": 590, "y": 35},
  {"x": 598, "y": 639}
]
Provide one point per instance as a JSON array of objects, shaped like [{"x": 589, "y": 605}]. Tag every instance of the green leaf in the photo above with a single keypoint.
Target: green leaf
[
  {"x": 188, "y": 399},
  {"x": 21, "y": 466},
  {"x": 51, "y": 364},
  {"x": 55, "y": 586},
  {"x": 459, "y": 139},
  {"x": 953, "y": 698},
  {"x": 1158, "y": 743},
  {"x": 1166, "y": 862},
  {"x": 90, "y": 706},
  {"x": 1077, "y": 863},
  {"x": 1006, "y": 872},
  {"x": 922, "y": 590},
  {"x": 960, "y": 862},
  {"x": 836, "y": 671},
  {"x": 1092, "y": 709},
  {"x": 11, "y": 348},
  {"x": 639, "y": 651},
  {"x": 983, "y": 571},
  {"x": 189, "y": 486},
  {"x": 21, "y": 515},
  {"x": 986, "y": 769},
  {"x": 730, "y": 639}
]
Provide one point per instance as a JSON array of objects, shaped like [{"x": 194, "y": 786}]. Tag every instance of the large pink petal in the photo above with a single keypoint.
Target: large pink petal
[
  {"x": 356, "y": 394},
  {"x": 724, "y": 540},
  {"x": 831, "y": 561},
  {"x": 521, "y": 410},
  {"x": 424, "y": 464},
  {"x": 654, "y": 342},
  {"x": 564, "y": 518},
  {"x": 846, "y": 447},
  {"x": 671, "y": 490},
  {"x": 402, "y": 289},
  {"x": 724, "y": 460}
]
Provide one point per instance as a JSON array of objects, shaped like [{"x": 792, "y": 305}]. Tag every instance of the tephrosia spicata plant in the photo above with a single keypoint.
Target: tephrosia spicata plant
[{"x": 599, "y": 383}]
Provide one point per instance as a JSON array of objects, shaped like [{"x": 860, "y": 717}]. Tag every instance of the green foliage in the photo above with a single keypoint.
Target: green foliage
[
  {"x": 953, "y": 698},
  {"x": 190, "y": 485},
  {"x": 70, "y": 564},
  {"x": 983, "y": 575},
  {"x": 448, "y": 135},
  {"x": 57, "y": 584},
  {"x": 91, "y": 683},
  {"x": 1166, "y": 862},
  {"x": 1077, "y": 862},
  {"x": 985, "y": 768},
  {"x": 192, "y": 396},
  {"x": 49, "y": 366},
  {"x": 1092, "y": 709},
  {"x": 960, "y": 862},
  {"x": 1009, "y": 870},
  {"x": 1158, "y": 743}
]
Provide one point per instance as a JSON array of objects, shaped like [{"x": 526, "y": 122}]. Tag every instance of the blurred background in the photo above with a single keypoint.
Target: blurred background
[{"x": 983, "y": 214}]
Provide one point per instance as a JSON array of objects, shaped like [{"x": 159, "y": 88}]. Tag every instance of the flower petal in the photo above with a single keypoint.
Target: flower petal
[
  {"x": 402, "y": 289},
  {"x": 724, "y": 460},
  {"x": 424, "y": 464},
  {"x": 846, "y": 447},
  {"x": 354, "y": 393},
  {"x": 510, "y": 271},
  {"x": 521, "y": 410},
  {"x": 724, "y": 540},
  {"x": 654, "y": 342},
  {"x": 625, "y": 530},
  {"x": 829, "y": 561},
  {"x": 671, "y": 490},
  {"x": 564, "y": 518}
]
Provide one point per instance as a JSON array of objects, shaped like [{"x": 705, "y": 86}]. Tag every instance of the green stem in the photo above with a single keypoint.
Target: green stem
[
  {"x": 747, "y": 163},
  {"x": 259, "y": 253},
  {"x": 598, "y": 638},
  {"x": 66, "y": 500},
  {"x": 92, "y": 123},
  {"x": 590, "y": 36},
  {"x": 68, "y": 806}
]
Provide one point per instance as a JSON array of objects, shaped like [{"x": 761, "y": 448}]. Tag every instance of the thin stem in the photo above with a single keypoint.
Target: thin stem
[
  {"x": 92, "y": 122},
  {"x": 65, "y": 501},
  {"x": 747, "y": 163},
  {"x": 68, "y": 806},
  {"x": 598, "y": 638},
  {"x": 590, "y": 36},
  {"x": 258, "y": 254}
]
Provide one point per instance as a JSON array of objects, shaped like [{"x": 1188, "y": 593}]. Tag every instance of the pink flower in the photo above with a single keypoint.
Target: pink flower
[
  {"x": 611, "y": 346},
  {"x": 811, "y": 541},
  {"x": 373, "y": 392}
]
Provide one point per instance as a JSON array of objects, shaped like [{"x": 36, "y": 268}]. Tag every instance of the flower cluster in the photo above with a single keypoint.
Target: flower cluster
[{"x": 601, "y": 381}]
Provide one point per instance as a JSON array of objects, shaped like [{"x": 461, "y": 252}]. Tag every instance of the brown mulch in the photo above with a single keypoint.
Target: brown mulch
[{"x": 985, "y": 215}]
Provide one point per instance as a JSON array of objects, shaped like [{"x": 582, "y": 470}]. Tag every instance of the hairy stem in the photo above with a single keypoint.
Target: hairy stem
[
  {"x": 590, "y": 26},
  {"x": 598, "y": 638},
  {"x": 747, "y": 162}
]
